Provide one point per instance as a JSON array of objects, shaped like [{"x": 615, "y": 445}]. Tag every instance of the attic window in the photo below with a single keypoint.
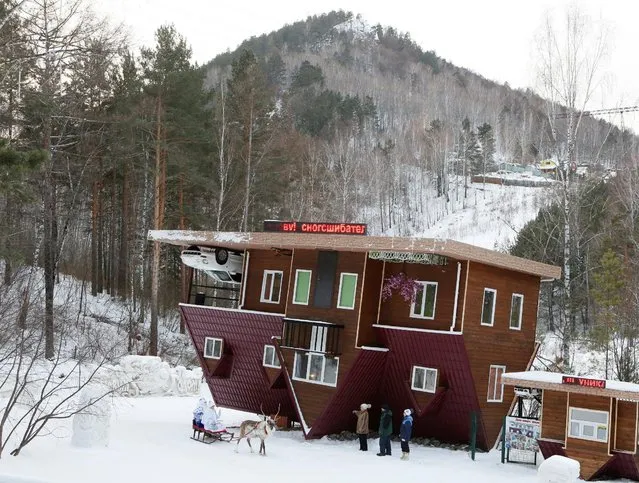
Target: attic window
[
  {"x": 270, "y": 358},
  {"x": 424, "y": 379},
  {"x": 213, "y": 348}
]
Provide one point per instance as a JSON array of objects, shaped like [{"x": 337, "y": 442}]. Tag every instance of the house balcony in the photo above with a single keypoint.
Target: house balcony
[{"x": 312, "y": 336}]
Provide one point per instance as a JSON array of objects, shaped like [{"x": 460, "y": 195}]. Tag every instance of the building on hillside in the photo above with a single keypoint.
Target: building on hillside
[
  {"x": 321, "y": 325},
  {"x": 593, "y": 421},
  {"x": 548, "y": 167}
]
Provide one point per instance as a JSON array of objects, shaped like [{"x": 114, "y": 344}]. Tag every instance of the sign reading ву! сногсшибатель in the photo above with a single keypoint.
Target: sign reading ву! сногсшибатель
[{"x": 316, "y": 228}]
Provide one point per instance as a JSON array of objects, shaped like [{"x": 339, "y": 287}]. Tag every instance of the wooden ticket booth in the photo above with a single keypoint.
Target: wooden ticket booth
[{"x": 593, "y": 421}]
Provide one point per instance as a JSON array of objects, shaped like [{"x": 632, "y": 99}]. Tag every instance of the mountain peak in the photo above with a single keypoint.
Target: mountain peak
[{"x": 357, "y": 26}]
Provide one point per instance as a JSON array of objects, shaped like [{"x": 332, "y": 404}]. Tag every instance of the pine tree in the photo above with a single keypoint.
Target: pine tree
[
  {"x": 175, "y": 88},
  {"x": 487, "y": 142},
  {"x": 250, "y": 109},
  {"x": 607, "y": 292}
]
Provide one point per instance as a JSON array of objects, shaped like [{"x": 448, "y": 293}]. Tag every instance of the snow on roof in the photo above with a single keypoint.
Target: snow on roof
[
  {"x": 544, "y": 378},
  {"x": 269, "y": 240},
  {"x": 188, "y": 237}
]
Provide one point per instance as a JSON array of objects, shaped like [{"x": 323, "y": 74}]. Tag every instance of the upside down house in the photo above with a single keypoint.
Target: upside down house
[{"x": 322, "y": 323}]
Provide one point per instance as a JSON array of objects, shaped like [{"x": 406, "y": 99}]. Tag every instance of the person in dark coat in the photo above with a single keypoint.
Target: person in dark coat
[
  {"x": 385, "y": 431},
  {"x": 405, "y": 431},
  {"x": 362, "y": 426}
]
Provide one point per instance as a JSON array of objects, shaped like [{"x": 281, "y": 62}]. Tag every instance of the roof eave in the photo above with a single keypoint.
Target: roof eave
[
  {"x": 267, "y": 240},
  {"x": 559, "y": 387}
]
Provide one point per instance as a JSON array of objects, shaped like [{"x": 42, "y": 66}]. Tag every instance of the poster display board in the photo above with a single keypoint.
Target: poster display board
[{"x": 521, "y": 440}]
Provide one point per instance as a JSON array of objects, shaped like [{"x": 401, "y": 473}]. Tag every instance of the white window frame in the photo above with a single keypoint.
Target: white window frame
[
  {"x": 319, "y": 334},
  {"x": 426, "y": 370},
  {"x": 421, "y": 315},
  {"x": 521, "y": 311},
  {"x": 339, "y": 292},
  {"x": 582, "y": 423},
  {"x": 310, "y": 280},
  {"x": 274, "y": 362},
  {"x": 263, "y": 299},
  {"x": 492, "y": 318},
  {"x": 308, "y": 369},
  {"x": 213, "y": 356},
  {"x": 499, "y": 386}
]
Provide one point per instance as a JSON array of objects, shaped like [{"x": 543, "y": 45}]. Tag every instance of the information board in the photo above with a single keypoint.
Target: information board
[{"x": 521, "y": 440}]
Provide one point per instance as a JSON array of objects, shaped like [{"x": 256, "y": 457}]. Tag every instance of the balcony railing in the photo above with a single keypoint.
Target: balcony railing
[{"x": 312, "y": 336}]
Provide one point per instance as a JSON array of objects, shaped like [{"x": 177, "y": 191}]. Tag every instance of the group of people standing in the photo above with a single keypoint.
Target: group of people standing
[{"x": 385, "y": 430}]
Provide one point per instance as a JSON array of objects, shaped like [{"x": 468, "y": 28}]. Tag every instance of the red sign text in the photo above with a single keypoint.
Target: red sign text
[
  {"x": 309, "y": 227},
  {"x": 584, "y": 381}
]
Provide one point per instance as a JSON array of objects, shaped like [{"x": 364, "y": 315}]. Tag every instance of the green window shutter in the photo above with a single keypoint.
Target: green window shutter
[
  {"x": 302, "y": 287},
  {"x": 347, "y": 292}
]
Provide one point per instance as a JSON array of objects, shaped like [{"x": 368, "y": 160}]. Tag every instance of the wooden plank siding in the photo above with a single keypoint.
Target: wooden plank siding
[
  {"x": 554, "y": 409},
  {"x": 498, "y": 344},
  {"x": 314, "y": 398},
  {"x": 591, "y": 454},
  {"x": 626, "y": 426},
  {"x": 259, "y": 261},
  {"x": 396, "y": 311},
  {"x": 366, "y": 334}
]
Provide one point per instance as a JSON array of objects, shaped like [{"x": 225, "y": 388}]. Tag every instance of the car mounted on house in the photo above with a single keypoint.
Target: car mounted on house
[{"x": 218, "y": 263}]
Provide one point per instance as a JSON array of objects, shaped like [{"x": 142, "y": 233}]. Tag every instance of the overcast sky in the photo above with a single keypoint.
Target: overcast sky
[{"x": 494, "y": 38}]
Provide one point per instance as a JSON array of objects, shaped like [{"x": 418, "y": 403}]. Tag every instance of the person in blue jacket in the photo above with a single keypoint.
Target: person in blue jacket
[{"x": 405, "y": 432}]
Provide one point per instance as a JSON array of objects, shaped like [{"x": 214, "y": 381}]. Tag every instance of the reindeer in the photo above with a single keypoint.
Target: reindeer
[{"x": 257, "y": 429}]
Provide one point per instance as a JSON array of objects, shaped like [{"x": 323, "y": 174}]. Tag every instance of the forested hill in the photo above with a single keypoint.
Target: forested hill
[
  {"x": 368, "y": 113},
  {"x": 326, "y": 119}
]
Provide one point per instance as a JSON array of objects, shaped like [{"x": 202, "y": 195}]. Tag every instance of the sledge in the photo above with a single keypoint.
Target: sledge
[{"x": 207, "y": 437}]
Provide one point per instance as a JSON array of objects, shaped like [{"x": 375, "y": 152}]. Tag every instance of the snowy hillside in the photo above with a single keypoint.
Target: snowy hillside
[
  {"x": 493, "y": 215},
  {"x": 490, "y": 216}
]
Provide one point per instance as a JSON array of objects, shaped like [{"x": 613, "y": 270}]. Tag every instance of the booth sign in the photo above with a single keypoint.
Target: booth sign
[
  {"x": 584, "y": 381},
  {"x": 521, "y": 440}
]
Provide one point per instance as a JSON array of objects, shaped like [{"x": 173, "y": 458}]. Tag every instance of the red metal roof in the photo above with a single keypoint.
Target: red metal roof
[
  {"x": 446, "y": 353},
  {"x": 244, "y": 334},
  {"x": 620, "y": 465},
  {"x": 361, "y": 385}
]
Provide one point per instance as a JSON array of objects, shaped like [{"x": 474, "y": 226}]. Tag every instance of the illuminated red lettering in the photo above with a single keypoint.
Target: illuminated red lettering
[
  {"x": 584, "y": 382},
  {"x": 304, "y": 227}
]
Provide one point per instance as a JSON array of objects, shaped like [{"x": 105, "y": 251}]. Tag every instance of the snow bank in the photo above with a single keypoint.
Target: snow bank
[
  {"x": 91, "y": 426},
  {"x": 558, "y": 469},
  {"x": 150, "y": 376}
]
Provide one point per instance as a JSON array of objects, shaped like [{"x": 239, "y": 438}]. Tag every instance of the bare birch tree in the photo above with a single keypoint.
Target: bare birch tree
[{"x": 571, "y": 58}]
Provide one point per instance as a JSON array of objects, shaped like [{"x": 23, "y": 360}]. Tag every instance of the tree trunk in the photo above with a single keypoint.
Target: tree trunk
[
  {"x": 158, "y": 221},
  {"x": 94, "y": 238},
  {"x": 123, "y": 252},
  {"x": 222, "y": 164},
  {"x": 247, "y": 183}
]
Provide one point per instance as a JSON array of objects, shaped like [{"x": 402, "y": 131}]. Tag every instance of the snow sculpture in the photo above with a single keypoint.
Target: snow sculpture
[
  {"x": 558, "y": 469},
  {"x": 91, "y": 426},
  {"x": 149, "y": 376}
]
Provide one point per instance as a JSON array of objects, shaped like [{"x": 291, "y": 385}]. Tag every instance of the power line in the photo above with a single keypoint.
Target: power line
[{"x": 596, "y": 112}]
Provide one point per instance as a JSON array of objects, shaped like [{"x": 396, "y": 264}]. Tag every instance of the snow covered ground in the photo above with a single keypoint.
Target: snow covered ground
[
  {"x": 150, "y": 440},
  {"x": 492, "y": 216}
]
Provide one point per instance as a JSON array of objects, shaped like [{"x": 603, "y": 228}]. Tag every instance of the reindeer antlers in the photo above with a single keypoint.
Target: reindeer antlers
[{"x": 276, "y": 414}]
